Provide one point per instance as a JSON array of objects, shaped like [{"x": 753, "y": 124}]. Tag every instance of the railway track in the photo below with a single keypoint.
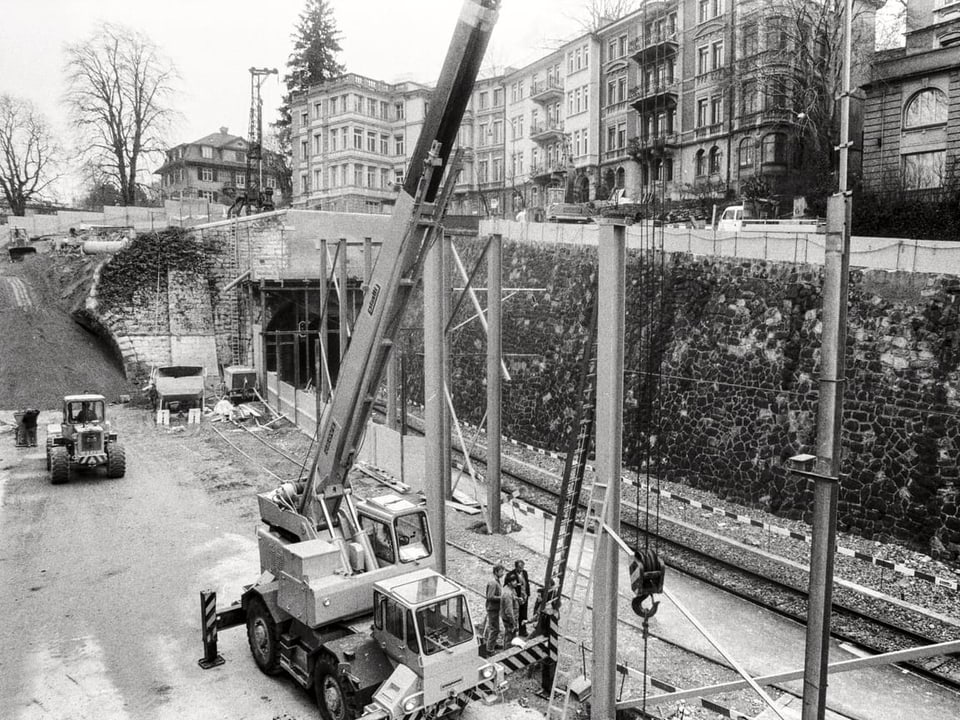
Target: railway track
[{"x": 777, "y": 584}]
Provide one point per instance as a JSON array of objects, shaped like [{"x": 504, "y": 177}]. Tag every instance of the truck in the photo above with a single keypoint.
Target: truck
[
  {"x": 83, "y": 439},
  {"x": 742, "y": 218},
  {"x": 349, "y": 602},
  {"x": 177, "y": 388}
]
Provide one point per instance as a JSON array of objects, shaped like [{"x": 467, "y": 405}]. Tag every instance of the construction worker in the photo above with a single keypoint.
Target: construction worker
[
  {"x": 30, "y": 426},
  {"x": 491, "y": 632},
  {"x": 509, "y": 608},
  {"x": 522, "y": 588},
  {"x": 87, "y": 414}
]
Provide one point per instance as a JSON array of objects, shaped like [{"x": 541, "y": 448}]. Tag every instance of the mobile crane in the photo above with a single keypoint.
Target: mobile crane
[{"x": 332, "y": 563}]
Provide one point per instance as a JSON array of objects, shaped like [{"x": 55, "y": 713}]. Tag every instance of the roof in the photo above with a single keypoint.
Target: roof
[
  {"x": 219, "y": 139},
  {"x": 83, "y": 398}
]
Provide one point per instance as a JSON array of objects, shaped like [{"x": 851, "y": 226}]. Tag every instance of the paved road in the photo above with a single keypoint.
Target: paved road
[{"x": 101, "y": 582}]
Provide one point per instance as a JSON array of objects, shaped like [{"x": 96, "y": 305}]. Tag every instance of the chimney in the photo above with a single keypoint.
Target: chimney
[{"x": 223, "y": 130}]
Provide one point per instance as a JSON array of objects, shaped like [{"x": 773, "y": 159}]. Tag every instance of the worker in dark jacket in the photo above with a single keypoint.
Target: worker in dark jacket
[
  {"x": 30, "y": 426},
  {"x": 491, "y": 632},
  {"x": 522, "y": 588}
]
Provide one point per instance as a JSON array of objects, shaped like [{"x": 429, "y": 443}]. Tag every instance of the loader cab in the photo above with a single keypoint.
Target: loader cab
[
  {"x": 83, "y": 409},
  {"x": 398, "y": 529}
]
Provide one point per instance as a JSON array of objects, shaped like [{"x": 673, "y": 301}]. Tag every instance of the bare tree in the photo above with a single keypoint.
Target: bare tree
[
  {"x": 28, "y": 153},
  {"x": 120, "y": 86},
  {"x": 597, "y": 13}
]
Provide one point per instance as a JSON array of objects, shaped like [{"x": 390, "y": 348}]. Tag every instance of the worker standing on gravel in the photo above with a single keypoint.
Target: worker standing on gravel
[
  {"x": 30, "y": 427},
  {"x": 491, "y": 632},
  {"x": 509, "y": 608},
  {"x": 522, "y": 588}
]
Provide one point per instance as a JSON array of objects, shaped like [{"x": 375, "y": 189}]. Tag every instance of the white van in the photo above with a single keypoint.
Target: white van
[{"x": 732, "y": 218}]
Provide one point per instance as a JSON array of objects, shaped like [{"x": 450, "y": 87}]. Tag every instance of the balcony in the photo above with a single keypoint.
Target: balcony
[
  {"x": 656, "y": 47},
  {"x": 646, "y": 95},
  {"x": 546, "y": 170},
  {"x": 546, "y": 131},
  {"x": 546, "y": 91},
  {"x": 772, "y": 116},
  {"x": 707, "y": 131},
  {"x": 657, "y": 145}
]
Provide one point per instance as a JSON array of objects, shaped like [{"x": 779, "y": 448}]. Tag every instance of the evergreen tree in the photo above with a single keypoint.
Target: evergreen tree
[{"x": 316, "y": 42}]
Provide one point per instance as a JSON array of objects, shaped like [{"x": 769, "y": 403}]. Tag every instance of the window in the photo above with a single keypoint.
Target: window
[
  {"x": 304, "y": 118},
  {"x": 703, "y": 60},
  {"x": 749, "y": 39},
  {"x": 483, "y": 101},
  {"x": 927, "y": 107},
  {"x": 371, "y": 177},
  {"x": 413, "y": 536},
  {"x": 612, "y": 49},
  {"x": 700, "y": 165},
  {"x": 444, "y": 624},
  {"x": 703, "y": 105},
  {"x": 398, "y": 177},
  {"x": 515, "y": 92},
  {"x": 497, "y": 168},
  {"x": 612, "y": 92},
  {"x": 398, "y": 621},
  {"x": 271, "y": 182},
  {"x": 774, "y": 149},
  {"x": 777, "y": 93},
  {"x": 240, "y": 155},
  {"x": 611, "y": 138},
  {"x": 745, "y": 153},
  {"x": 317, "y": 109},
  {"x": 358, "y": 103},
  {"x": 206, "y": 175},
  {"x": 358, "y": 139},
  {"x": 714, "y": 160},
  {"x": 384, "y": 109},
  {"x": 380, "y": 538},
  {"x": 749, "y": 100},
  {"x": 716, "y": 110},
  {"x": 497, "y": 97},
  {"x": 206, "y": 151},
  {"x": 304, "y": 183},
  {"x": 483, "y": 130},
  {"x": 398, "y": 145},
  {"x": 621, "y": 135},
  {"x": 707, "y": 10},
  {"x": 384, "y": 178},
  {"x": 384, "y": 144},
  {"x": 317, "y": 144},
  {"x": 358, "y": 175},
  {"x": 371, "y": 107},
  {"x": 344, "y": 131},
  {"x": 716, "y": 52},
  {"x": 398, "y": 111},
  {"x": 776, "y": 33},
  {"x": 318, "y": 178},
  {"x": 371, "y": 142},
  {"x": 304, "y": 149},
  {"x": 482, "y": 171},
  {"x": 497, "y": 132},
  {"x": 923, "y": 170},
  {"x": 240, "y": 179},
  {"x": 333, "y": 141}
]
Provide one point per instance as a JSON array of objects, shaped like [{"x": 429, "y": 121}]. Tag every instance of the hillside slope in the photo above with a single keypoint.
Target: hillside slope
[{"x": 44, "y": 353}]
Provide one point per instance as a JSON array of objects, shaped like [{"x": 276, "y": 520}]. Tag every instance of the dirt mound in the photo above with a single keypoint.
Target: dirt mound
[{"x": 44, "y": 353}]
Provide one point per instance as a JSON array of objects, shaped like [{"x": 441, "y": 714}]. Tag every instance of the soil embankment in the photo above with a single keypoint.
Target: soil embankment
[{"x": 44, "y": 352}]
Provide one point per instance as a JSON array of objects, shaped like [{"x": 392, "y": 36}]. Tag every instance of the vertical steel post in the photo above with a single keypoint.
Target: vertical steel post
[
  {"x": 324, "y": 321},
  {"x": 344, "y": 297},
  {"x": 826, "y": 487},
  {"x": 434, "y": 400},
  {"x": 445, "y": 243},
  {"x": 610, "y": 325},
  {"x": 392, "y": 422},
  {"x": 494, "y": 270},
  {"x": 208, "y": 619}
]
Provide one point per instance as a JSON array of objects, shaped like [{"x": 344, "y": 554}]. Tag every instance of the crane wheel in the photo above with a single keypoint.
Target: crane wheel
[
  {"x": 116, "y": 461},
  {"x": 263, "y": 637},
  {"x": 332, "y": 692},
  {"x": 59, "y": 465}
]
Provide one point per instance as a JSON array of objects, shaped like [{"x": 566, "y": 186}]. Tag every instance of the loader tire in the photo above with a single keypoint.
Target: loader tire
[
  {"x": 49, "y": 447},
  {"x": 116, "y": 461},
  {"x": 59, "y": 465},
  {"x": 263, "y": 637},
  {"x": 332, "y": 692}
]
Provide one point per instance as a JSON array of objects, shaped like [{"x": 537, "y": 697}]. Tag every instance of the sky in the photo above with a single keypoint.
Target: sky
[{"x": 213, "y": 44}]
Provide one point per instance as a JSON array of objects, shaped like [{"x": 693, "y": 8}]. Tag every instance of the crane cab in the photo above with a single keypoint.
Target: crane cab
[{"x": 421, "y": 620}]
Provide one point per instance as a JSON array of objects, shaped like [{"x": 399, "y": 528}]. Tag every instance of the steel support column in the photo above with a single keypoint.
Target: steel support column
[
  {"x": 494, "y": 352},
  {"x": 612, "y": 243},
  {"x": 344, "y": 297},
  {"x": 446, "y": 243},
  {"x": 324, "y": 324},
  {"x": 434, "y": 400}
]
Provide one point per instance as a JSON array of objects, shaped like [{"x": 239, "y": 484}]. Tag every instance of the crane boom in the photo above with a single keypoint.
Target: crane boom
[{"x": 414, "y": 224}]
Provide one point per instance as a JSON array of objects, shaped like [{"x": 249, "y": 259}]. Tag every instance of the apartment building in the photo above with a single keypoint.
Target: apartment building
[
  {"x": 911, "y": 134},
  {"x": 212, "y": 168},
  {"x": 679, "y": 99},
  {"x": 350, "y": 140}
]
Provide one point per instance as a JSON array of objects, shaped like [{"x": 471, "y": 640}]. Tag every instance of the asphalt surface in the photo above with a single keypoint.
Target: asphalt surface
[{"x": 101, "y": 593}]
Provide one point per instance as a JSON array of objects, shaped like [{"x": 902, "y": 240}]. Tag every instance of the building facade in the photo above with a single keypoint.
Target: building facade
[
  {"x": 911, "y": 135},
  {"x": 212, "y": 168},
  {"x": 677, "y": 100}
]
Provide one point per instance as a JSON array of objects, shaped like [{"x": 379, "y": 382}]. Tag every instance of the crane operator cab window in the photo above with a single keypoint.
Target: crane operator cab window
[
  {"x": 381, "y": 539},
  {"x": 396, "y": 620},
  {"x": 413, "y": 536},
  {"x": 444, "y": 624}
]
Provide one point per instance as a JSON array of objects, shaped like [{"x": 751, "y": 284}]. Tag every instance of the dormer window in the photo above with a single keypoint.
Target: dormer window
[{"x": 206, "y": 151}]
